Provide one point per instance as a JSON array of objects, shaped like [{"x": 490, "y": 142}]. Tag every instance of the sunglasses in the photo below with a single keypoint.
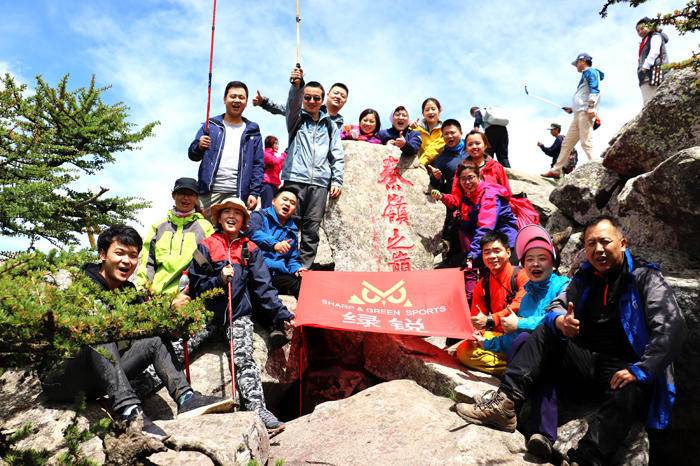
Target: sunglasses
[{"x": 315, "y": 98}]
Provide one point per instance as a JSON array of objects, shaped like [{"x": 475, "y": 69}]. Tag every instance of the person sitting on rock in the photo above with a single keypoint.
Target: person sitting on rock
[
  {"x": 442, "y": 172},
  {"x": 231, "y": 262},
  {"x": 399, "y": 135},
  {"x": 481, "y": 207},
  {"x": 366, "y": 131},
  {"x": 92, "y": 373},
  {"x": 490, "y": 170},
  {"x": 611, "y": 336},
  {"x": 274, "y": 231},
  {"x": 430, "y": 131},
  {"x": 495, "y": 303}
]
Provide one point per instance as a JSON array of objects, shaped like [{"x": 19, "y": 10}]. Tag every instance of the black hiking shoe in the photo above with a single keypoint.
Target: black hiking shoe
[
  {"x": 137, "y": 419},
  {"x": 540, "y": 446},
  {"x": 271, "y": 422},
  {"x": 278, "y": 339},
  {"x": 199, "y": 404}
]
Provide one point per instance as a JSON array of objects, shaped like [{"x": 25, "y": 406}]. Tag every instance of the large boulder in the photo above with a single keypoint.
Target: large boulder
[
  {"x": 670, "y": 194},
  {"x": 537, "y": 189},
  {"x": 396, "y": 422},
  {"x": 668, "y": 123},
  {"x": 586, "y": 191},
  {"x": 384, "y": 205}
]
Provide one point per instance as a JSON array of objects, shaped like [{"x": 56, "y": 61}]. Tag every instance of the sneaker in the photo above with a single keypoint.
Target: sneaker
[
  {"x": 138, "y": 419},
  {"x": 497, "y": 412},
  {"x": 270, "y": 421},
  {"x": 540, "y": 446},
  {"x": 199, "y": 404}
]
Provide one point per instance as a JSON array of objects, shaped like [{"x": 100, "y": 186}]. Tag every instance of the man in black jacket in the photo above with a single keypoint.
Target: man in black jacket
[
  {"x": 611, "y": 336},
  {"x": 92, "y": 373}
]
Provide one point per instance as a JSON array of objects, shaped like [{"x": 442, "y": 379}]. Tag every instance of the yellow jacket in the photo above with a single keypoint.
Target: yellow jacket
[{"x": 432, "y": 143}]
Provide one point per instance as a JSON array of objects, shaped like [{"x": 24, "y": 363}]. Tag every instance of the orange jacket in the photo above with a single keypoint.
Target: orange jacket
[{"x": 499, "y": 286}]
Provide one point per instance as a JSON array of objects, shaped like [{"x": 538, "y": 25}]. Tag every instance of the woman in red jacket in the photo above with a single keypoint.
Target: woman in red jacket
[{"x": 273, "y": 166}]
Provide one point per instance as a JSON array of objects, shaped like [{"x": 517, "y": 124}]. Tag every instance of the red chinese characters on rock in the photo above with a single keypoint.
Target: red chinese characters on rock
[{"x": 395, "y": 212}]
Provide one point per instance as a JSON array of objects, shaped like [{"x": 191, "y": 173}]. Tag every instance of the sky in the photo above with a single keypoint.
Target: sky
[{"x": 155, "y": 56}]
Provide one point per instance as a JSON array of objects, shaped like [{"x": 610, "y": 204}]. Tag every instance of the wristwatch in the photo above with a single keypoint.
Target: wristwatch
[{"x": 489, "y": 323}]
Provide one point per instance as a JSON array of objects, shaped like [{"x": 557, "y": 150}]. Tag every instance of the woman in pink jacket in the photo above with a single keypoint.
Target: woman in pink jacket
[{"x": 273, "y": 166}]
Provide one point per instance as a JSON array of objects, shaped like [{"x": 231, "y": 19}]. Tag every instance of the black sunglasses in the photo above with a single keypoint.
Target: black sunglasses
[{"x": 315, "y": 98}]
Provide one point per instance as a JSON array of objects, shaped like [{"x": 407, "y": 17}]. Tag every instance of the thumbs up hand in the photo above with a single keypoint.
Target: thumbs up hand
[
  {"x": 510, "y": 322},
  {"x": 568, "y": 324},
  {"x": 479, "y": 320},
  {"x": 258, "y": 99}
]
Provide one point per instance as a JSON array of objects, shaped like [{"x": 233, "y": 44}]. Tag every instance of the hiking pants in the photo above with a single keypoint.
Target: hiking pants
[
  {"x": 581, "y": 129},
  {"x": 311, "y": 205},
  {"x": 498, "y": 137},
  {"x": 93, "y": 374},
  {"x": 545, "y": 359},
  {"x": 250, "y": 389}
]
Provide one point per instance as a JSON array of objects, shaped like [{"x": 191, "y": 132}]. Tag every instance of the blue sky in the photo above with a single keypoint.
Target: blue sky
[{"x": 155, "y": 56}]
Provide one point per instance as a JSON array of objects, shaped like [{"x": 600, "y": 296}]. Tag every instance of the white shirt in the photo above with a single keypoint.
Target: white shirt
[{"x": 226, "y": 177}]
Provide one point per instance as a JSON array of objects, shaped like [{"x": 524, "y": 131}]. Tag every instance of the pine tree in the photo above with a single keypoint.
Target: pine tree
[{"x": 48, "y": 139}]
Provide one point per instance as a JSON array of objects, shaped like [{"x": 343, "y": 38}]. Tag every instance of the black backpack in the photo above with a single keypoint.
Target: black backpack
[{"x": 510, "y": 294}]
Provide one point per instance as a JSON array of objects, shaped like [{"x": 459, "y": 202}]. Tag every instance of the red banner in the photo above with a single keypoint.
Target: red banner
[{"x": 424, "y": 302}]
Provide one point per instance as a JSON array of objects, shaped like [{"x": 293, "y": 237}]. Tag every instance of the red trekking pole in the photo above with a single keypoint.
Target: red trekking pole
[
  {"x": 211, "y": 60},
  {"x": 230, "y": 341}
]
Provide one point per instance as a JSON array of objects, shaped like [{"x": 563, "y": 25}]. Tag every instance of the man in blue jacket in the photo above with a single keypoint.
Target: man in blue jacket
[
  {"x": 231, "y": 153},
  {"x": 276, "y": 235},
  {"x": 612, "y": 335},
  {"x": 315, "y": 159},
  {"x": 399, "y": 135}
]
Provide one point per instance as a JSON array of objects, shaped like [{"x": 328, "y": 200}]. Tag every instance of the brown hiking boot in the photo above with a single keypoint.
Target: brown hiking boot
[
  {"x": 559, "y": 239},
  {"x": 497, "y": 411}
]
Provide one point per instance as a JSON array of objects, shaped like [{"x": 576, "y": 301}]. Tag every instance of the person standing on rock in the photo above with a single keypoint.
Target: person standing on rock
[
  {"x": 315, "y": 160},
  {"x": 335, "y": 101},
  {"x": 553, "y": 150},
  {"x": 231, "y": 155},
  {"x": 231, "y": 262},
  {"x": 430, "y": 131},
  {"x": 274, "y": 231},
  {"x": 495, "y": 130},
  {"x": 652, "y": 54},
  {"x": 584, "y": 108},
  {"x": 399, "y": 135},
  {"x": 273, "y": 166},
  {"x": 611, "y": 336},
  {"x": 93, "y": 374}
]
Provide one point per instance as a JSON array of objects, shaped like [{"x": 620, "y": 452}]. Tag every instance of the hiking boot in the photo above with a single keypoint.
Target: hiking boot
[
  {"x": 278, "y": 338},
  {"x": 270, "y": 421},
  {"x": 540, "y": 446},
  {"x": 137, "y": 419},
  {"x": 484, "y": 397},
  {"x": 497, "y": 412},
  {"x": 199, "y": 404},
  {"x": 551, "y": 174}
]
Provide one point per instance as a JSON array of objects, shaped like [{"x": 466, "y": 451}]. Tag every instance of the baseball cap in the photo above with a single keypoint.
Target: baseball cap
[
  {"x": 582, "y": 56},
  {"x": 556, "y": 126},
  {"x": 186, "y": 183}
]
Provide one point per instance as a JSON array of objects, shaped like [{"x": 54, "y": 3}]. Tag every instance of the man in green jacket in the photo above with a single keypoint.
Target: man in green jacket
[{"x": 170, "y": 243}]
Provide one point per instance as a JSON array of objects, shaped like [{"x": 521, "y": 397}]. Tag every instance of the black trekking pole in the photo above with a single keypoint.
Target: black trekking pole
[{"x": 211, "y": 60}]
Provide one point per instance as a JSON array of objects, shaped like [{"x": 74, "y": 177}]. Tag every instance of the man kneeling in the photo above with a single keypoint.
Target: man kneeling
[
  {"x": 93, "y": 374},
  {"x": 612, "y": 335}
]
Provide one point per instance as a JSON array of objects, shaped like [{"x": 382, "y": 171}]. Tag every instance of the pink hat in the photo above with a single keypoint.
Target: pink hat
[{"x": 533, "y": 236}]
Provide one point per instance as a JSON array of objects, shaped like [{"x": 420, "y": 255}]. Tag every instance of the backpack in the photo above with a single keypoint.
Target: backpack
[
  {"x": 510, "y": 294},
  {"x": 523, "y": 210},
  {"x": 495, "y": 116}
]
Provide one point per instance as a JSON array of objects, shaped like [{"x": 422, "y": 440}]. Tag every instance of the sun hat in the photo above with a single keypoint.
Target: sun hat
[
  {"x": 228, "y": 203},
  {"x": 533, "y": 236}
]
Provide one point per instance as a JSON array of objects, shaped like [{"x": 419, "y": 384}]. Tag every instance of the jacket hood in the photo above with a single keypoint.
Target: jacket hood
[
  {"x": 487, "y": 188},
  {"x": 289, "y": 224},
  {"x": 541, "y": 288},
  {"x": 93, "y": 271},
  {"x": 181, "y": 221}
]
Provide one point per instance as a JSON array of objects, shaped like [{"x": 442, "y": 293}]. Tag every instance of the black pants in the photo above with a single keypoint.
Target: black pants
[
  {"x": 544, "y": 359},
  {"x": 93, "y": 374},
  {"x": 311, "y": 205},
  {"x": 498, "y": 137},
  {"x": 287, "y": 284}
]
